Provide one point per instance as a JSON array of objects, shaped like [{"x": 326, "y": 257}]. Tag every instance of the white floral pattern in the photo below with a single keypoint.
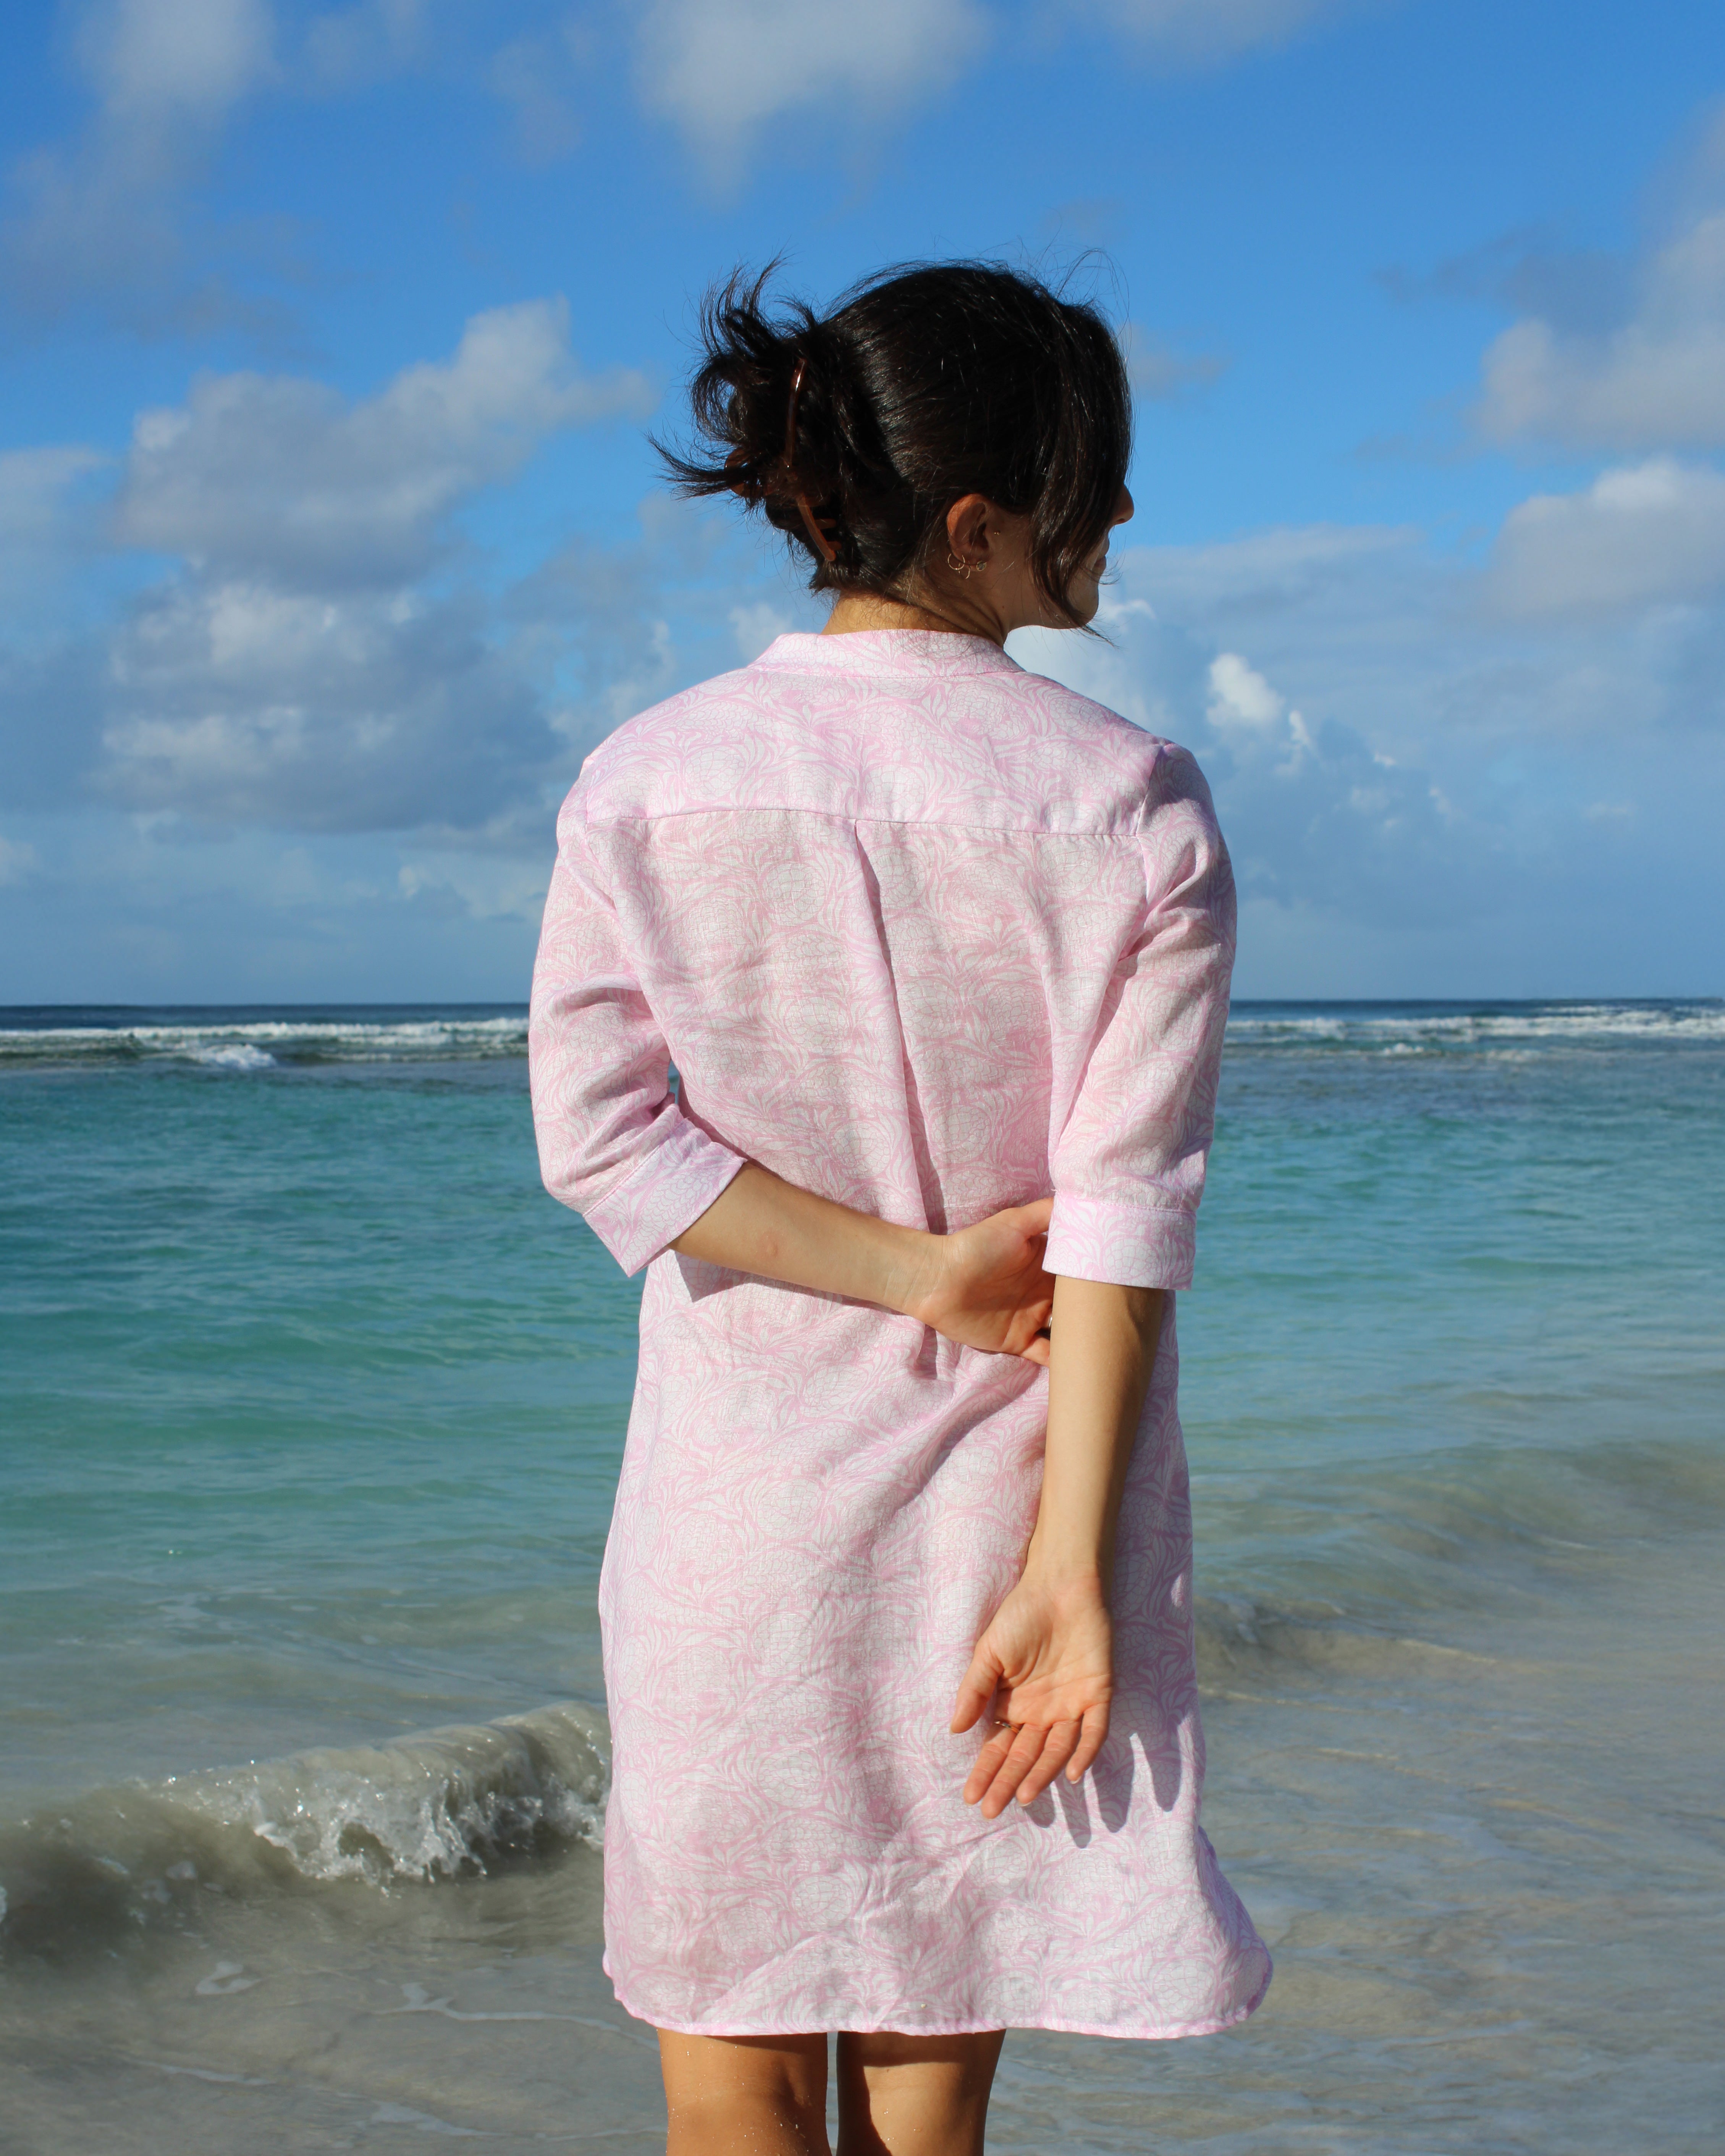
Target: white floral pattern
[{"x": 931, "y": 936}]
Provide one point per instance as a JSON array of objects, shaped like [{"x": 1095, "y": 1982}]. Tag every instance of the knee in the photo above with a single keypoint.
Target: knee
[{"x": 714, "y": 2122}]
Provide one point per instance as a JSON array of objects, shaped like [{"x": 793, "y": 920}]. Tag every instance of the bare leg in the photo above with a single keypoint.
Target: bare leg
[
  {"x": 915, "y": 2096},
  {"x": 744, "y": 2096}
]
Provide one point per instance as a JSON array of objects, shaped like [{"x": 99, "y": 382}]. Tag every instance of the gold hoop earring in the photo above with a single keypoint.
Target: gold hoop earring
[{"x": 965, "y": 569}]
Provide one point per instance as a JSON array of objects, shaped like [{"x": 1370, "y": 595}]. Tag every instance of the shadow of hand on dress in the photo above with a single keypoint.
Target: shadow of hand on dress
[{"x": 1138, "y": 1727}]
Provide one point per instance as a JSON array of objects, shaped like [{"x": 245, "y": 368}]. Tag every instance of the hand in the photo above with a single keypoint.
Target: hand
[
  {"x": 1046, "y": 1662},
  {"x": 984, "y": 1286}
]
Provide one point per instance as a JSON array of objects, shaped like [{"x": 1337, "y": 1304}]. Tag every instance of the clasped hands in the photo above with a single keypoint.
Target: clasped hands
[{"x": 985, "y": 1286}]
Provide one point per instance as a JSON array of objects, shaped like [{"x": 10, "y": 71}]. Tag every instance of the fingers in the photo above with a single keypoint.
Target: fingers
[
  {"x": 1033, "y": 1217},
  {"x": 1058, "y": 1747},
  {"x": 1021, "y": 1761},
  {"x": 986, "y": 1766},
  {"x": 1023, "y": 1748},
  {"x": 1089, "y": 1742},
  {"x": 977, "y": 1688},
  {"x": 1039, "y": 1351}
]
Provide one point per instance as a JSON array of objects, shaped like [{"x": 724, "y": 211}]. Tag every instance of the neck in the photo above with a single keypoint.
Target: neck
[{"x": 854, "y": 612}]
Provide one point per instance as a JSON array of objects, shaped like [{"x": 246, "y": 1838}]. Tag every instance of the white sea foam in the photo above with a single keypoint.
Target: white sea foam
[
  {"x": 233, "y": 1055},
  {"x": 217, "y": 1042},
  {"x": 1410, "y": 1030},
  {"x": 425, "y": 1807},
  {"x": 255, "y": 1044}
]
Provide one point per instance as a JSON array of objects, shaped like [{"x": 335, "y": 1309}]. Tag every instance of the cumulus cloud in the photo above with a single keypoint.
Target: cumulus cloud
[
  {"x": 1653, "y": 379},
  {"x": 160, "y": 59},
  {"x": 1642, "y": 535},
  {"x": 241, "y": 704},
  {"x": 527, "y": 74},
  {"x": 348, "y": 48},
  {"x": 281, "y": 476},
  {"x": 1243, "y": 709},
  {"x": 115, "y": 222},
  {"x": 1316, "y": 814},
  {"x": 1416, "y": 649},
  {"x": 1402, "y": 766},
  {"x": 37, "y": 526},
  {"x": 16, "y": 860},
  {"x": 720, "y": 69},
  {"x": 296, "y": 669},
  {"x": 1159, "y": 369},
  {"x": 97, "y": 222},
  {"x": 1195, "y": 32}
]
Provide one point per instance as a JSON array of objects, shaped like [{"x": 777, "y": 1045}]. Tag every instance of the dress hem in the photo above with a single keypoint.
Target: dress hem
[{"x": 1167, "y": 2032}]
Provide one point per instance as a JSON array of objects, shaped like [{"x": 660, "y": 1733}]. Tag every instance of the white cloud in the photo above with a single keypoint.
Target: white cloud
[
  {"x": 96, "y": 223},
  {"x": 1414, "y": 649},
  {"x": 16, "y": 860},
  {"x": 157, "y": 58},
  {"x": 35, "y": 522},
  {"x": 481, "y": 887},
  {"x": 239, "y": 703},
  {"x": 1643, "y": 535},
  {"x": 721, "y": 68},
  {"x": 279, "y": 476},
  {"x": 350, "y": 46},
  {"x": 1653, "y": 380},
  {"x": 1242, "y": 704},
  {"x": 107, "y": 223},
  {"x": 1159, "y": 369},
  {"x": 295, "y": 670},
  {"x": 1198, "y": 31},
  {"x": 756, "y": 627},
  {"x": 1317, "y": 815},
  {"x": 528, "y": 74}
]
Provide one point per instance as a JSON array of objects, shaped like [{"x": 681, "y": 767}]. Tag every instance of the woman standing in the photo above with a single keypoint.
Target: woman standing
[{"x": 926, "y": 938}]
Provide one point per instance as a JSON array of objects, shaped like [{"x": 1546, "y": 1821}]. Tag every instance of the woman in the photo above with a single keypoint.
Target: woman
[{"x": 897, "y": 1621}]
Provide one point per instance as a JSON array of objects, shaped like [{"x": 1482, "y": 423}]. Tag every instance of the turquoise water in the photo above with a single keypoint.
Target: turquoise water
[{"x": 313, "y": 1403}]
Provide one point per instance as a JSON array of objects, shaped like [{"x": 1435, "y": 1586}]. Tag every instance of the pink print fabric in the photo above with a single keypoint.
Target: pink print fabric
[{"x": 931, "y": 936}]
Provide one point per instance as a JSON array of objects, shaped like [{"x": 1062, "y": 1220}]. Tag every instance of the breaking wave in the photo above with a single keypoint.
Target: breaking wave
[
  {"x": 443, "y": 1804},
  {"x": 1440, "y": 1029},
  {"x": 262, "y": 1039}
]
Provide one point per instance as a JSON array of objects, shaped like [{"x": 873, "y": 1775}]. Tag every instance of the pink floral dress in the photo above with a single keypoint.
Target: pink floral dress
[{"x": 931, "y": 936}]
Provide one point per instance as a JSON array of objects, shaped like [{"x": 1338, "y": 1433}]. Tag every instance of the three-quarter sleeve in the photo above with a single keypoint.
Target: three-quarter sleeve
[
  {"x": 612, "y": 1142},
  {"x": 1128, "y": 1159}
]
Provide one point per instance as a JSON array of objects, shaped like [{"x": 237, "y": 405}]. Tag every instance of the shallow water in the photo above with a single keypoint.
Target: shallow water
[{"x": 312, "y": 1405}]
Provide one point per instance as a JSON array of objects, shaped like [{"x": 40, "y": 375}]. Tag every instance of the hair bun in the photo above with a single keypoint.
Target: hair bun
[{"x": 854, "y": 433}]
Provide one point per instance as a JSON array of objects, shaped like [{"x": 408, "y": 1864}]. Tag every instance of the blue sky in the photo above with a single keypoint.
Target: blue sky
[{"x": 330, "y": 539}]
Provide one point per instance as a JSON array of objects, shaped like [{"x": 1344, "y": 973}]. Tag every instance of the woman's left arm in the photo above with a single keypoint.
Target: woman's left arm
[
  {"x": 983, "y": 1287},
  {"x": 1128, "y": 1171}
]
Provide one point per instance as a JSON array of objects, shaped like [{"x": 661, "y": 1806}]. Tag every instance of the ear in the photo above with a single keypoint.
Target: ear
[{"x": 967, "y": 527}]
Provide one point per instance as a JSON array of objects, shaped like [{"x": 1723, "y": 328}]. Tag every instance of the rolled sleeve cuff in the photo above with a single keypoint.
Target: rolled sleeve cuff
[
  {"x": 1100, "y": 1238},
  {"x": 663, "y": 1194}
]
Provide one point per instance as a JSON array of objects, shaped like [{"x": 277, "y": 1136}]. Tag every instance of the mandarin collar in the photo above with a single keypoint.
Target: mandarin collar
[{"x": 923, "y": 651}]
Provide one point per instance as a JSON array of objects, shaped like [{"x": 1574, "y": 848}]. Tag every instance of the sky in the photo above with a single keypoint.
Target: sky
[{"x": 332, "y": 539}]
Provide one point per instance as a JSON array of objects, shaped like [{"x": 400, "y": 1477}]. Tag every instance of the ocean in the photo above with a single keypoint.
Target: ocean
[{"x": 312, "y": 1406}]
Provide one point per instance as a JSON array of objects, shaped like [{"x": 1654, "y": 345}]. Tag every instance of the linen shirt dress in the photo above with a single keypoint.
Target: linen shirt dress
[{"x": 931, "y": 936}]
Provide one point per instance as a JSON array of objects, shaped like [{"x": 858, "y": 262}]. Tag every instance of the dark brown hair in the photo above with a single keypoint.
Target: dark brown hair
[{"x": 922, "y": 384}]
